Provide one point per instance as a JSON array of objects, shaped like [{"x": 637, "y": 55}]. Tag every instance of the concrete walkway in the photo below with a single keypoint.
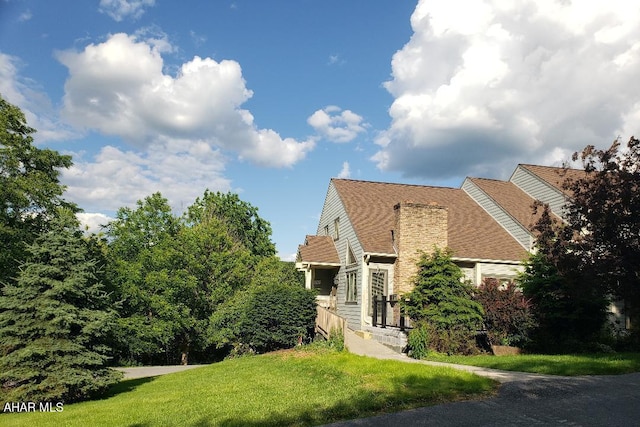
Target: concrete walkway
[
  {"x": 523, "y": 399},
  {"x": 152, "y": 371},
  {"x": 372, "y": 348}
]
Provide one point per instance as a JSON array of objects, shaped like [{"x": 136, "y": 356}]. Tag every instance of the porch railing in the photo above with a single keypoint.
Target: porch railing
[
  {"x": 328, "y": 322},
  {"x": 387, "y": 311}
]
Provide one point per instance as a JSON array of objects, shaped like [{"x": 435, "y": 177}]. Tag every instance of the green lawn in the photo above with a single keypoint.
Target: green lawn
[
  {"x": 288, "y": 388},
  {"x": 583, "y": 364}
]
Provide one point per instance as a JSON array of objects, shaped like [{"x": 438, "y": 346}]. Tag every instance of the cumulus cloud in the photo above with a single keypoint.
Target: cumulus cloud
[
  {"x": 345, "y": 172},
  {"x": 121, "y": 9},
  {"x": 93, "y": 222},
  {"x": 510, "y": 82},
  {"x": 179, "y": 169},
  {"x": 337, "y": 125},
  {"x": 119, "y": 88}
]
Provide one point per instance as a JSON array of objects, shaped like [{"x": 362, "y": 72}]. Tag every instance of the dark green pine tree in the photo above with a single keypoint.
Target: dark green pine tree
[
  {"x": 441, "y": 306},
  {"x": 54, "y": 322}
]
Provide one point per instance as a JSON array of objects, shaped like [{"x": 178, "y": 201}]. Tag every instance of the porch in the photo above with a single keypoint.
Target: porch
[
  {"x": 389, "y": 324},
  {"x": 318, "y": 259}
]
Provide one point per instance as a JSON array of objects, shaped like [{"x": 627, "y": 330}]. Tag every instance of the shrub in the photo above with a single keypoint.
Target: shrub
[
  {"x": 418, "y": 341},
  {"x": 265, "y": 318},
  {"x": 443, "y": 303},
  {"x": 507, "y": 313}
]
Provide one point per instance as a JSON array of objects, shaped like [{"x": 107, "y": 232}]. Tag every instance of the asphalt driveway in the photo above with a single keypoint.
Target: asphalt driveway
[{"x": 553, "y": 401}]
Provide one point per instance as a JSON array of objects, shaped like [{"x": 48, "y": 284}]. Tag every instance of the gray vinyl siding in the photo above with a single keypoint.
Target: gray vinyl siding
[
  {"x": 513, "y": 227},
  {"x": 539, "y": 190},
  {"x": 332, "y": 209}
]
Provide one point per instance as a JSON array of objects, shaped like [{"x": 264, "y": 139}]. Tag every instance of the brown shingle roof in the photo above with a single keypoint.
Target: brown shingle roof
[
  {"x": 555, "y": 176},
  {"x": 318, "y": 249},
  {"x": 472, "y": 233},
  {"x": 511, "y": 198}
]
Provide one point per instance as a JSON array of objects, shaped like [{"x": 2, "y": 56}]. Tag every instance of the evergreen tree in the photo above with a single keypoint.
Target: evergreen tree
[
  {"x": 441, "y": 304},
  {"x": 54, "y": 321},
  {"x": 30, "y": 191}
]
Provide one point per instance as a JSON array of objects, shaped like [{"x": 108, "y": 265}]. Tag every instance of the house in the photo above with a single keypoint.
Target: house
[{"x": 370, "y": 235}]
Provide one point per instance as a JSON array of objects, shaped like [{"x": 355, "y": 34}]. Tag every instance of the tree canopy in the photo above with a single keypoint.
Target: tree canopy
[
  {"x": 30, "y": 190},
  {"x": 592, "y": 256},
  {"x": 603, "y": 218},
  {"x": 241, "y": 219}
]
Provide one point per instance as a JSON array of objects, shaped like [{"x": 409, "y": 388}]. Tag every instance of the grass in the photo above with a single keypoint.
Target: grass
[
  {"x": 288, "y": 388},
  {"x": 569, "y": 365}
]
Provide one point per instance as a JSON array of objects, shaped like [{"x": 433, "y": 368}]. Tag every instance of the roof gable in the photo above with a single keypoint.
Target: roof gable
[
  {"x": 511, "y": 198},
  {"x": 318, "y": 250},
  {"x": 555, "y": 176}
]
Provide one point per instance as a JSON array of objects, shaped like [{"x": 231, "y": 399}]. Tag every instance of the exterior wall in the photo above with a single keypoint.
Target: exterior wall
[
  {"x": 332, "y": 209},
  {"x": 499, "y": 271},
  {"x": 513, "y": 227},
  {"x": 539, "y": 190},
  {"x": 417, "y": 227},
  {"x": 477, "y": 271}
]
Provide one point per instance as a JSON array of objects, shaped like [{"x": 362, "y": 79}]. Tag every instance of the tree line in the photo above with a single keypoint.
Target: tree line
[{"x": 152, "y": 288}]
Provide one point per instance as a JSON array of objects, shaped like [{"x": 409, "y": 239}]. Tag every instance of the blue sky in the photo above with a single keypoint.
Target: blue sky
[{"x": 272, "y": 99}]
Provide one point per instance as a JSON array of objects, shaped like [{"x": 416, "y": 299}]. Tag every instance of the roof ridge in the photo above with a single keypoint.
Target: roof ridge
[
  {"x": 489, "y": 179},
  {"x": 549, "y": 167},
  {"x": 394, "y": 183}
]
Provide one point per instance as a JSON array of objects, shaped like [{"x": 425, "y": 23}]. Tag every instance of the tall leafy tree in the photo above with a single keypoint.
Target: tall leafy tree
[
  {"x": 30, "y": 190},
  {"x": 604, "y": 218},
  {"x": 142, "y": 269},
  {"x": 240, "y": 217},
  {"x": 170, "y": 276},
  {"x": 55, "y": 321},
  {"x": 569, "y": 299}
]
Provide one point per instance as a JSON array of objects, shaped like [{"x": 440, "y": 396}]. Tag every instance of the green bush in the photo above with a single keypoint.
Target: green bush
[
  {"x": 265, "y": 318},
  {"x": 418, "y": 341}
]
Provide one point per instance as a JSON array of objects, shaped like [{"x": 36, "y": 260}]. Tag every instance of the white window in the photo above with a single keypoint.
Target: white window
[
  {"x": 336, "y": 229},
  {"x": 351, "y": 258},
  {"x": 352, "y": 290}
]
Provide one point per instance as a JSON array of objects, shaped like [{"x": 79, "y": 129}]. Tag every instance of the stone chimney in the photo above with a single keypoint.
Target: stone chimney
[{"x": 418, "y": 227}]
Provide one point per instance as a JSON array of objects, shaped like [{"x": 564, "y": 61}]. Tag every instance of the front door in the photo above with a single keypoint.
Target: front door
[{"x": 378, "y": 287}]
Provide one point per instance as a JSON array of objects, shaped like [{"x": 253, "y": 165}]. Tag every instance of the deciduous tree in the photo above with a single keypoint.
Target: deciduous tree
[
  {"x": 603, "y": 218},
  {"x": 241, "y": 219}
]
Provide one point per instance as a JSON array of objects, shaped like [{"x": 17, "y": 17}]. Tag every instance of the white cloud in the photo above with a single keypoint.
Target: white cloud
[
  {"x": 92, "y": 222},
  {"x": 181, "y": 170},
  {"x": 121, "y": 9},
  {"x": 25, "y": 16},
  {"x": 345, "y": 172},
  {"x": 288, "y": 257},
  {"x": 510, "y": 82},
  {"x": 119, "y": 88},
  {"x": 337, "y": 125}
]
